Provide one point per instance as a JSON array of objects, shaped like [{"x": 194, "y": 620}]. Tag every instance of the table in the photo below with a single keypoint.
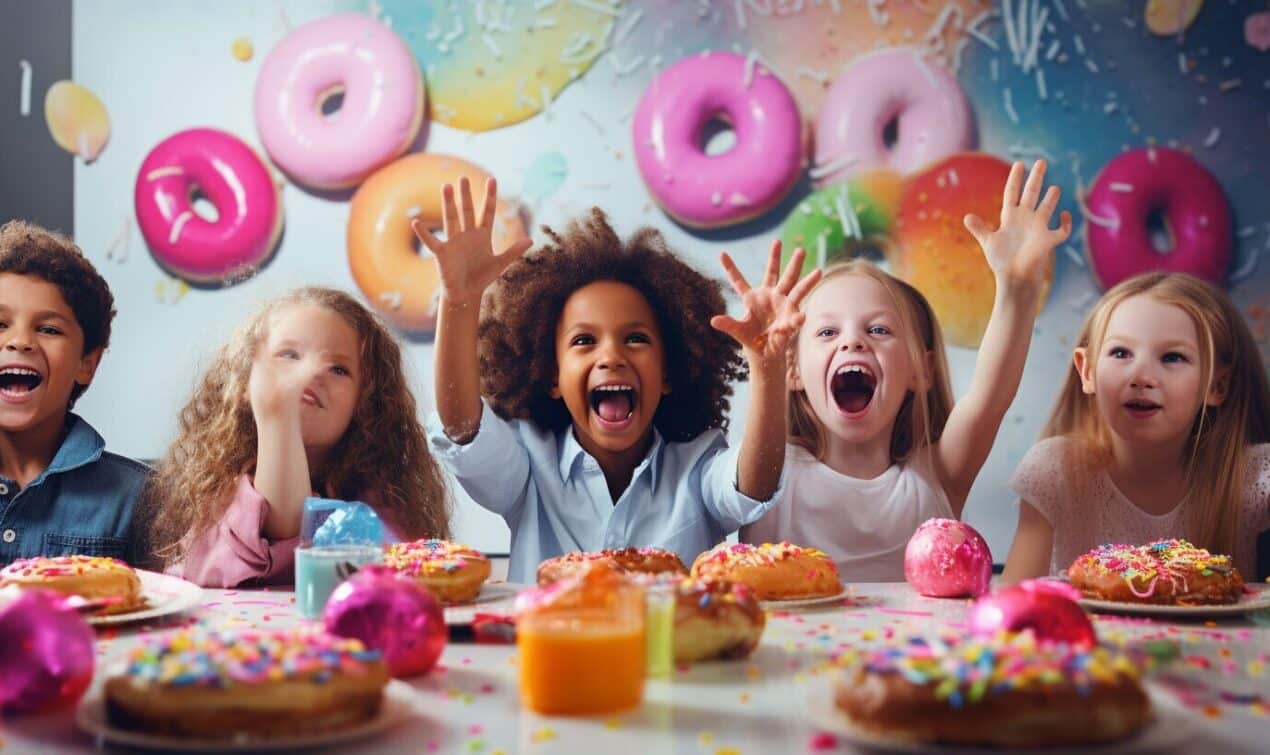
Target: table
[{"x": 469, "y": 703}]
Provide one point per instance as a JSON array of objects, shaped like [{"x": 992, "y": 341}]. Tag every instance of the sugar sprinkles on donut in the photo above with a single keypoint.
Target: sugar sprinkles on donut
[{"x": 1163, "y": 571}]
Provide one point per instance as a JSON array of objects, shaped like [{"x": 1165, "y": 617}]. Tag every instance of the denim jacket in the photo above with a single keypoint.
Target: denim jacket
[{"x": 81, "y": 504}]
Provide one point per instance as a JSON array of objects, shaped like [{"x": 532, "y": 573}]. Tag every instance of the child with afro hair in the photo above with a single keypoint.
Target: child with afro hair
[{"x": 585, "y": 401}]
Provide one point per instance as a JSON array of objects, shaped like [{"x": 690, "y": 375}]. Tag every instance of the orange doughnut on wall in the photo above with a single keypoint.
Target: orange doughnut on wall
[
  {"x": 399, "y": 281},
  {"x": 935, "y": 251}
]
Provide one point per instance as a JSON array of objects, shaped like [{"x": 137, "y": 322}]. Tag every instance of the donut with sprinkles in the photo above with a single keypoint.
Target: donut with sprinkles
[
  {"x": 774, "y": 571},
  {"x": 453, "y": 572},
  {"x": 109, "y": 582},
  {"x": 1163, "y": 572}
]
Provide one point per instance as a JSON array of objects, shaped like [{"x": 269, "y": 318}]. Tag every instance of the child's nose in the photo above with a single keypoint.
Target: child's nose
[
  {"x": 610, "y": 358},
  {"x": 16, "y": 340},
  {"x": 1142, "y": 379}
]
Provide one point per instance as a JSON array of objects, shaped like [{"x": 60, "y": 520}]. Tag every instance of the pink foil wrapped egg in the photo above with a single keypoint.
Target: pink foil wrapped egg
[
  {"x": 390, "y": 612},
  {"x": 946, "y": 558},
  {"x": 46, "y": 651},
  {"x": 1045, "y": 606}
]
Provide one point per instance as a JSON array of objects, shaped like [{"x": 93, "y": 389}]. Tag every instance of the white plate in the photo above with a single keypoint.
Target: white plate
[
  {"x": 1170, "y": 724},
  {"x": 164, "y": 594},
  {"x": 495, "y": 597},
  {"x": 1259, "y": 600},
  {"x": 780, "y": 605},
  {"x": 91, "y": 717}
]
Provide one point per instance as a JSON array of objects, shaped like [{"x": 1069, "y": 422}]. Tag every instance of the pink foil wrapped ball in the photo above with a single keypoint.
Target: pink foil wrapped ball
[
  {"x": 946, "y": 558},
  {"x": 46, "y": 651},
  {"x": 392, "y": 613},
  {"x": 1045, "y": 606}
]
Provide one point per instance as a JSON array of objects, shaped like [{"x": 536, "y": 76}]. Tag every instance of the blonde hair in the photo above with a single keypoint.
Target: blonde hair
[
  {"x": 922, "y": 417},
  {"x": 1229, "y": 359},
  {"x": 383, "y": 452}
]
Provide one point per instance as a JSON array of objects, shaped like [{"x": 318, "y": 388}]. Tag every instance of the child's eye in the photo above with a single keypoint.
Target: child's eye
[
  {"x": 1173, "y": 357},
  {"x": 342, "y": 371},
  {"x": 879, "y": 330},
  {"x": 288, "y": 354},
  {"x": 638, "y": 338},
  {"x": 49, "y": 330},
  {"x": 826, "y": 332},
  {"x": 1118, "y": 352},
  {"x": 582, "y": 341}
]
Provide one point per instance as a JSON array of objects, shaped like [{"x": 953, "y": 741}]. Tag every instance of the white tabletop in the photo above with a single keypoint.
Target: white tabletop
[{"x": 469, "y": 703}]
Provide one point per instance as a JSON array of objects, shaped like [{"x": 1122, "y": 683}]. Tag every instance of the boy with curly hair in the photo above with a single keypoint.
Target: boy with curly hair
[
  {"x": 61, "y": 492},
  {"x": 606, "y": 364}
]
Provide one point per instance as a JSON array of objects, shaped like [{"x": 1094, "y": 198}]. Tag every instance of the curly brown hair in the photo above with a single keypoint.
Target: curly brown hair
[
  {"x": 517, "y": 330},
  {"x": 28, "y": 249},
  {"x": 383, "y": 452}
]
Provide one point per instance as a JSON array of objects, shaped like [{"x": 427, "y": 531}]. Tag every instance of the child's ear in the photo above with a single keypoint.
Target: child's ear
[
  {"x": 554, "y": 391},
  {"x": 1219, "y": 389},
  {"x": 665, "y": 384},
  {"x": 1085, "y": 368},
  {"x": 88, "y": 367}
]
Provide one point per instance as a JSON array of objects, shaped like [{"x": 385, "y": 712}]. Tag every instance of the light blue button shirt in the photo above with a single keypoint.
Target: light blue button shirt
[{"x": 554, "y": 497}]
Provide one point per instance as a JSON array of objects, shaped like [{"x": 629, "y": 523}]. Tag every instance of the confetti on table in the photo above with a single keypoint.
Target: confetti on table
[{"x": 545, "y": 734}]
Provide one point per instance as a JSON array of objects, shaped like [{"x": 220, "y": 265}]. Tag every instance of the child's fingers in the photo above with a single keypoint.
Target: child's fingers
[
  {"x": 465, "y": 199},
  {"x": 804, "y": 286},
  {"x": 734, "y": 274},
  {"x": 773, "y": 264},
  {"x": 790, "y": 275},
  {"x": 490, "y": 204},
  {"x": 449, "y": 211},
  {"x": 1049, "y": 203},
  {"x": 727, "y": 325},
  {"x": 1064, "y": 228},
  {"x": 977, "y": 227},
  {"x": 434, "y": 244},
  {"x": 1013, "y": 183},
  {"x": 1035, "y": 182}
]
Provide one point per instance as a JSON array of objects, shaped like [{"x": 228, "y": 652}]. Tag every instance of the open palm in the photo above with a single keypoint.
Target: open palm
[
  {"x": 1021, "y": 248},
  {"x": 466, "y": 259},
  {"x": 771, "y": 309}
]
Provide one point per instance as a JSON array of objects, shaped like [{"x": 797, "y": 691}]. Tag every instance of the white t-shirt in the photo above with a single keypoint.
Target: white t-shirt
[
  {"x": 863, "y": 525},
  {"x": 1086, "y": 509}
]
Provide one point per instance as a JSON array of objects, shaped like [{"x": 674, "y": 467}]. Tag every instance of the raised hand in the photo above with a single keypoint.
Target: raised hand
[
  {"x": 1019, "y": 251},
  {"x": 771, "y": 309},
  {"x": 275, "y": 387},
  {"x": 466, "y": 259}
]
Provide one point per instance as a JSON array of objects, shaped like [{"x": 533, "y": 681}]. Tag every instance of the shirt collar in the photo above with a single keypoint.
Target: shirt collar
[
  {"x": 83, "y": 445},
  {"x": 572, "y": 453}
]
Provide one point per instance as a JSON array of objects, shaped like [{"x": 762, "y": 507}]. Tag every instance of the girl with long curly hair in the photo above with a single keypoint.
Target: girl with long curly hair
[
  {"x": 309, "y": 395},
  {"x": 586, "y": 402}
]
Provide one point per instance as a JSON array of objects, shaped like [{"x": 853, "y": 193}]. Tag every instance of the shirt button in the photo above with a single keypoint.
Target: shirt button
[{"x": 10, "y": 536}]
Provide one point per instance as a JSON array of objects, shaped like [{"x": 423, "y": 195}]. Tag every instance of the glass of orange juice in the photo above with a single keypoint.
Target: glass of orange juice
[{"x": 581, "y": 645}]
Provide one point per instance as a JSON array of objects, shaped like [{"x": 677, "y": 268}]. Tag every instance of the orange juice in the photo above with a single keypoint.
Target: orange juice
[{"x": 570, "y": 666}]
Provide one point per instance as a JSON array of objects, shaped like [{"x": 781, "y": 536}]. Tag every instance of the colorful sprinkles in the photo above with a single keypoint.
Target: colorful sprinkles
[
  {"x": 431, "y": 556},
  {"x": 1144, "y": 568}
]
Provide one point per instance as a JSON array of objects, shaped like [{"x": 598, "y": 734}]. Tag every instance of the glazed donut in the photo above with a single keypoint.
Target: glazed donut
[
  {"x": 350, "y": 54},
  {"x": 711, "y": 191},
  {"x": 935, "y": 252},
  {"x": 715, "y": 619},
  {"x": 398, "y": 281},
  {"x": 1140, "y": 182},
  {"x": 774, "y": 571},
  {"x": 947, "y": 558},
  {"x": 224, "y": 685},
  {"x": 234, "y": 179},
  {"x": 453, "y": 573},
  {"x": 925, "y": 101},
  {"x": 835, "y": 222},
  {"x": 631, "y": 560},
  {"x": 1168, "y": 572},
  {"x": 109, "y": 580},
  {"x": 1008, "y": 691}
]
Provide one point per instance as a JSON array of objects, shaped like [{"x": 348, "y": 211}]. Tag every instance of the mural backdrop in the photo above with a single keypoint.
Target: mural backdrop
[{"x": 211, "y": 174}]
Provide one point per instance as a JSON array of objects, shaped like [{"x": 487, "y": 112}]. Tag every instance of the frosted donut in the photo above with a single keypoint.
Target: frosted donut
[
  {"x": 452, "y": 572},
  {"x": 401, "y": 283},
  {"x": 637, "y": 560},
  {"x": 834, "y": 222},
  {"x": 92, "y": 578},
  {"x": 925, "y": 102},
  {"x": 230, "y": 175},
  {"x": 774, "y": 571},
  {"x": 1140, "y": 182},
  {"x": 715, "y": 619},
  {"x": 709, "y": 191},
  {"x": 350, "y": 54}
]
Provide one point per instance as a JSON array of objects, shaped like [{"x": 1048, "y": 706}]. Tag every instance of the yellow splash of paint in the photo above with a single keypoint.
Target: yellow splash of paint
[
  {"x": 242, "y": 49},
  {"x": 77, "y": 119},
  {"x": 1169, "y": 17}
]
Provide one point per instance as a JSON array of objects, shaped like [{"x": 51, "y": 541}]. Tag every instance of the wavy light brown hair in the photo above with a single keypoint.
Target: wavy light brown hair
[
  {"x": 1215, "y": 463},
  {"x": 921, "y": 418},
  {"x": 383, "y": 453},
  {"x": 517, "y": 331}
]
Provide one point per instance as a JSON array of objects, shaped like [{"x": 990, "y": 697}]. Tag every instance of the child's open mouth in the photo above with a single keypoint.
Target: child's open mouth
[
  {"x": 18, "y": 383},
  {"x": 1141, "y": 408},
  {"x": 852, "y": 387},
  {"x": 614, "y": 405}
]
